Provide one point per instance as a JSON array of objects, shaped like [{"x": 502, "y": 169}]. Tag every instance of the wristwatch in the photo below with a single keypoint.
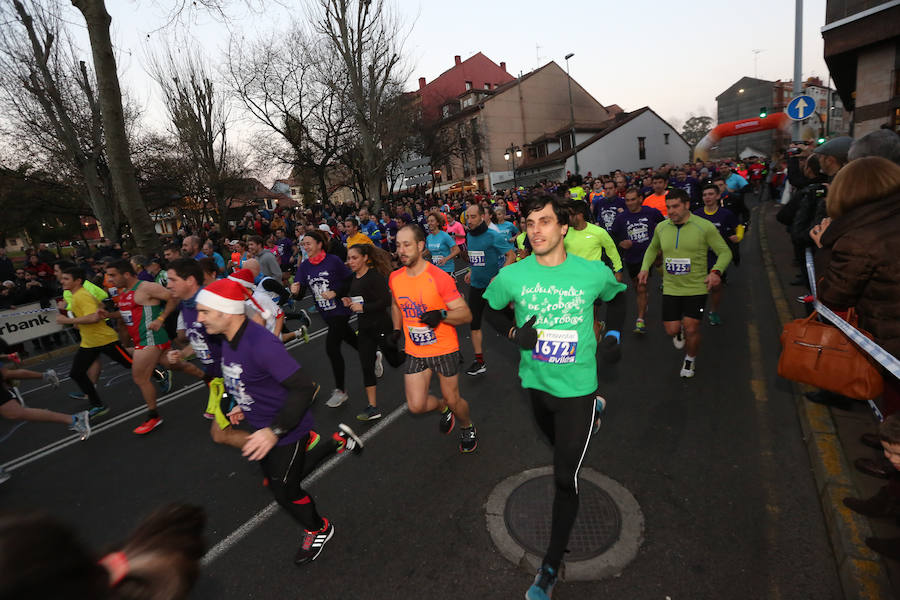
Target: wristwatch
[{"x": 717, "y": 272}]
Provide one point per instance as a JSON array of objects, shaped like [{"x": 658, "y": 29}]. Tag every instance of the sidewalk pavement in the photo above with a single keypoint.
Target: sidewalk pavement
[{"x": 832, "y": 438}]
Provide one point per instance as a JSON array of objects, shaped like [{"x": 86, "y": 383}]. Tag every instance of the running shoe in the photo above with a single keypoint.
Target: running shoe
[
  {"x": 149, "y": 425},
  {"x": 51, "y": 377},
  {"x": 542, "y": 588},
  {"x": 14, "y": 356},
  {"x": 81, "y": 424},
  {"x": 338, "y": 397},
  {"x": 370, "y": 413},
  {"x": 687, "y": 369},
  {"x": 347, "y": 439},
  {"x": 97, "y": 411},
  {"x": 304, "y": 319},
  {"x": 715, "y": 319},
  {"x": 447, "y": 420},
  {"x": 304, "y": 331},
  {"x": 379, "y": 365},
  {"x": 640, "y": 327},
  {"x": 468, "y": 439},
  {"x": 78, "y": 396},
  {"x": 313, "y": 440},
  {"x": 477, "y": 368},
  {"x": 4, "y": 475},
  {"x": 164, "y": 379},
  {"x": 678, "y": 340},
  {"x": 313, "y": 543},
  {"x": 599, "y": 407}
]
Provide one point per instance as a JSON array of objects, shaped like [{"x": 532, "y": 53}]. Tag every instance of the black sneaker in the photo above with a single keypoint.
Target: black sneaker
[
  {"x": 468, "y": 439},
  {"x": 477, "y": 368},
  {"x": 313, "y": 543},
  {"x": 447, "y": 421}
]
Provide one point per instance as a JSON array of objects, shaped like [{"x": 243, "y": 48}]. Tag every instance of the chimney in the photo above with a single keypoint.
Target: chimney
[
  {"x": 503, "y": 66},
  {"x": 421, "y": 82},
  {"x": 457, "y": 59}
]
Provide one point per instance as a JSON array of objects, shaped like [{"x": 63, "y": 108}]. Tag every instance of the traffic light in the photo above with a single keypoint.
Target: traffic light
[{"x": 763, "y": 112}]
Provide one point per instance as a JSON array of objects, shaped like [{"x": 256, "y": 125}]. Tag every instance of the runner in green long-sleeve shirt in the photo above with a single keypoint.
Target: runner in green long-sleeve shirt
[{"x": 684, "y": 241}]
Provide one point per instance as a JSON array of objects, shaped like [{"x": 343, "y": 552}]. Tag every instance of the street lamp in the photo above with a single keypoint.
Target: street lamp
[
  {"x": 736, "y": 117},
  {"x": 571, "y": 109},
  {"x": 513, "y": 152}
]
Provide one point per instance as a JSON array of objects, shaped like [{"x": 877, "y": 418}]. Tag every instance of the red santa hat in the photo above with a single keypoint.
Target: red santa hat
[
  {"x": 243, "y": 277},
  {"x": 224, "y": 296}
]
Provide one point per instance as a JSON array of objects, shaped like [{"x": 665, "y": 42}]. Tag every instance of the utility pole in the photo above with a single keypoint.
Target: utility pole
[
  {"x": 798, "y": 59},
  {"x": 572, "y": 110}
]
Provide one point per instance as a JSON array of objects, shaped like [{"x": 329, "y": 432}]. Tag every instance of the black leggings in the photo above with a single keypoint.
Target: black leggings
[
  {"x": 567, "y": 423},
  {"x": 339, "y": 330},
  {"x": 371, "y": 340},
  {"x": 83, "y": 360},
  {"x": 285, "y": 467}
]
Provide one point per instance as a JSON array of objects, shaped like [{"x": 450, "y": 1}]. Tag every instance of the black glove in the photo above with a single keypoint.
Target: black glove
[
  {"x": 433, "y": 318},
  {"x": 392, "y": 340},
  {"x": 610, "y": 348},
  {"x": 526, "y": 336}
]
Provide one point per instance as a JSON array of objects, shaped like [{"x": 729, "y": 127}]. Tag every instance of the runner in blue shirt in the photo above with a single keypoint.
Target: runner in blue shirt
[{"x": 440, "y": 244}]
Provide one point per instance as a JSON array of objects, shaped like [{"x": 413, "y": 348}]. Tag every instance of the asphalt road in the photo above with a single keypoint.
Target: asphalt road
[{"x": 716, "y": 463}]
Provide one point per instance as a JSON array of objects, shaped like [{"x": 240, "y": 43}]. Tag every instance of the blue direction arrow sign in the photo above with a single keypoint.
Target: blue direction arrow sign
[{"x": 801, "y": 107}]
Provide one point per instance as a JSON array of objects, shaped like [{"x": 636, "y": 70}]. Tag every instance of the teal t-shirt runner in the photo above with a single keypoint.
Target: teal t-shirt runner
[
  {"x": 485, "y": 254},
  {"x": 564, "y": 360},
  {"x": 440, "y": 245}
]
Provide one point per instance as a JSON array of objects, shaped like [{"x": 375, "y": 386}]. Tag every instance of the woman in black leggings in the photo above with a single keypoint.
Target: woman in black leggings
[
  {"x": 329, "y": 279},
  {"x": 370, "y": 298}
]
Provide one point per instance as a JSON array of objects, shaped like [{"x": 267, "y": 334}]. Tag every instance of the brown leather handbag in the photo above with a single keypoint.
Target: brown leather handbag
[{"x": 819, "y": 354}]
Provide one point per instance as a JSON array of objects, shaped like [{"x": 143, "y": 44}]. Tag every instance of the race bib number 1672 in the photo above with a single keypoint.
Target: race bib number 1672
[{"x": 556, "y": 346}]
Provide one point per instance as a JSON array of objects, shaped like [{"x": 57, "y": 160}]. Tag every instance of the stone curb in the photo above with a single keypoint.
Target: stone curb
[{"x": 862, "y": 573}]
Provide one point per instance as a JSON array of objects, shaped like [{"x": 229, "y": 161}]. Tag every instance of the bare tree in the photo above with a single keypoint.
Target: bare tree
[
  {"x": 366, "y": 37},
  {"x": 57, "y": 119},
  {"x": 288, "y": 84},
  {"x": 199, "y": 115},
  {"x": 112, "y": 116}
]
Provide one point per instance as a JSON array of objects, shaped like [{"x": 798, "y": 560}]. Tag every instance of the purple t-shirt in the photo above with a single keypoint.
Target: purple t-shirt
[
  {"x": 607, "y": 209},
  {"x": 726, "y": 224},
  {"x": 285, "y": 247},
  {"x": 207, "y": 348},
  {"x": 330, "y": 274},
  {"x": 637, "y": 227},
  {"x": 254, "y": 372}
]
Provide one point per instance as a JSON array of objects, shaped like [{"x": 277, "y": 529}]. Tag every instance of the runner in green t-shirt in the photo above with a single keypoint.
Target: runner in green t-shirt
[
  {"x": 685, "y": 241},
  {"x": 553, "y": 295}
]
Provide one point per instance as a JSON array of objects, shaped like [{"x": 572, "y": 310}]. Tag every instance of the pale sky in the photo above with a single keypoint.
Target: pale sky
[{"x": 674, "y": 57}]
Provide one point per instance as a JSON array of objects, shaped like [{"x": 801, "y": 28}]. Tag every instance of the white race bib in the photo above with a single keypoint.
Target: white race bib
[
  {"x": 126, "y": 317},
  {"x": 678, "y": 266},
  {"x": 422, "y": 336},
  {"x": 357, "y": 300},
  {"x": 476, "y": 258},
  {"x": 556, "y": 346}
]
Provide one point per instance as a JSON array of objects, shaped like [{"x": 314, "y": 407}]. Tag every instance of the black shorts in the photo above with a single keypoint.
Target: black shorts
[
  {"x": 635, "y": 268},
  {"x": 445, "y": 364},
  {"x": 676, "y": 307},
  {"x": 476, "y": 305}
]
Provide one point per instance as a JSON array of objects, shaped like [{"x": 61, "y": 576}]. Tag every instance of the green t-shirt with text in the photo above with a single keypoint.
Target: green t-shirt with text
[{"x": 564, "y": 361}]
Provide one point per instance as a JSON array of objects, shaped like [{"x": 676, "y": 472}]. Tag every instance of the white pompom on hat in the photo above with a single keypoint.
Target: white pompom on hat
[{"x": 224, "y": 296}]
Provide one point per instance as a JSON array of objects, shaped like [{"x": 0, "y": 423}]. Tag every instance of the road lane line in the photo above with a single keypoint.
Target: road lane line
[
  {"x": 65, "y": 442},
  {"x": 262, "y": 516}
]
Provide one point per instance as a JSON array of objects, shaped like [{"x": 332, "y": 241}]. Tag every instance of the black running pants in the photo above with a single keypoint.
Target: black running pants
[
  {"x": 85, "y": 357},
  {"x": 339, "y": 330},
  {"x": 285, "y": 467},
  {"x": 567, "y": 423}
]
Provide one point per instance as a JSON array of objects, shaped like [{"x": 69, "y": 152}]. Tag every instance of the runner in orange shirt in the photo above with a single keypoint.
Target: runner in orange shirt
[
  {"x": 426, "y": 306},
  {"x": 657, "y": 199}
]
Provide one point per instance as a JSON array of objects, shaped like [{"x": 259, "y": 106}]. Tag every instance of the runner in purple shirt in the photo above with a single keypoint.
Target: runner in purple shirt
[
  {"x": 273, "y": 395},
  {"x": 633, "y": 230}
]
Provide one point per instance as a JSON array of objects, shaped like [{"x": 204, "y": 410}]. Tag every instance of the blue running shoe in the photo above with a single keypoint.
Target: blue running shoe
[
  {"x": 542, "y": 588},
  {"x": 165, "y": 380},
  {"x": 97, "y": 411},
  {"x": 599, "y": 407}
]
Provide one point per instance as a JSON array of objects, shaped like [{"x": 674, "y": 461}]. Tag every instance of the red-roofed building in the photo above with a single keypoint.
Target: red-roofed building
[{"x": 476, "y": 72}]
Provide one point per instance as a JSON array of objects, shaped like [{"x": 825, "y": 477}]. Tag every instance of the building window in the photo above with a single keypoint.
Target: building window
[
  {"x": 565, "y": 142},
  {"x": 666, "y": 138},
  {"x": 445, "y": 111},
  {"x": 479, "y": 164},
  {"x": 487, "y": 86},
  {"x": 468, "y": 85},
  {"x": 642, "y": 148},
  {"x": 449, "y": 172},
  {"x": 467, "y": 170}
]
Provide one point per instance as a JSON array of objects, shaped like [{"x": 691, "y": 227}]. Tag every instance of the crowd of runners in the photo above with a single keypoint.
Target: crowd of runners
[{"x": 546, "y": 267}]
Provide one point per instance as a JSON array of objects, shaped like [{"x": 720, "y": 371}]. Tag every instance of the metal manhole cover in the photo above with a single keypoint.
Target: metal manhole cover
[{"x": 528, "y": 512}]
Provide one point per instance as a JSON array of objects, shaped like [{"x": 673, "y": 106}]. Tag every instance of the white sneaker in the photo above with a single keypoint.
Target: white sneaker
[
  {"x": 678, "y": 340},
  {"x": 51, "y": 376},
  {"x": 81, "y": 424},
  {"x": 687, "y": 368},
  {"x": 379, "y": 366},
  {"x": 337, "y": 398}
]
